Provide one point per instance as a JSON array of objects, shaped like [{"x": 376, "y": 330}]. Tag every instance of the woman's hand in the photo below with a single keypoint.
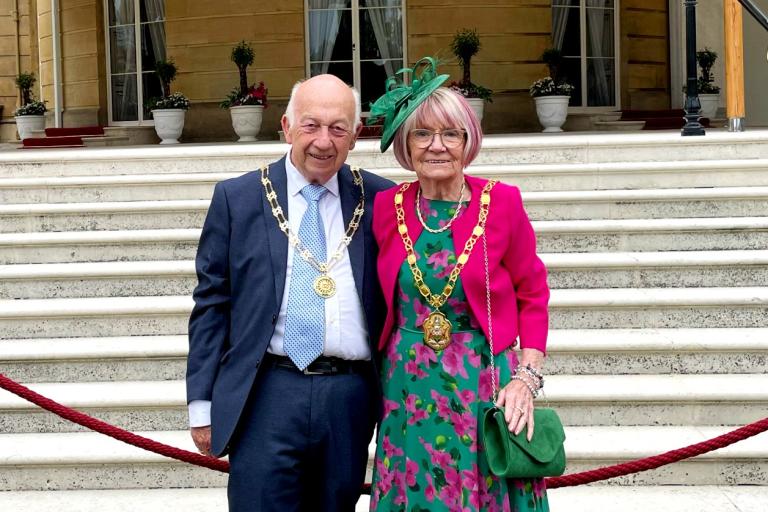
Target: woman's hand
[{"x": 517, "y": 399}]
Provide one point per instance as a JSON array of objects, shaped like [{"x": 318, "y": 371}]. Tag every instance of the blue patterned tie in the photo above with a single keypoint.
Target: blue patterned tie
[{"x": 305, "y": 314}]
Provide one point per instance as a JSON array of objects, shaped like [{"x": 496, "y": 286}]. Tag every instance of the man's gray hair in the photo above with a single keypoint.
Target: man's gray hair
[{"x": 291, "y": 115}]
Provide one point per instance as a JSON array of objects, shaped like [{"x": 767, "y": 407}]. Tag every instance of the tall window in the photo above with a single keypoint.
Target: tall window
[
  {"x": 135, "y": 41},
  {"x": 585, "y": 30},
  {"x": 360, "y": 41}
]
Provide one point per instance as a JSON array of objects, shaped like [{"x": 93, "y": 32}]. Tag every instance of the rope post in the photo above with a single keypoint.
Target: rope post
[
  {"x": 734, "y": 65},
  {"x": 692, "y": 103}
]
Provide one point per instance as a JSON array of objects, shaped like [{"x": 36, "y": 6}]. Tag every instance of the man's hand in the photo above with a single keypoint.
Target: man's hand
[{"x": 202, "y": 438}]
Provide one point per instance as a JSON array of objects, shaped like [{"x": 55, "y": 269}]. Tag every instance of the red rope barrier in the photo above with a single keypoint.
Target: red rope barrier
[
  {"x": 584, "y": 477},
  {"x": 111, "y": 430},
  {"x": 656, "y": 461}
]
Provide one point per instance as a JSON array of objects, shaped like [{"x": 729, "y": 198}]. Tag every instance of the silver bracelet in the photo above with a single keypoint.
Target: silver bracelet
[{"x": 534, "y": 392}]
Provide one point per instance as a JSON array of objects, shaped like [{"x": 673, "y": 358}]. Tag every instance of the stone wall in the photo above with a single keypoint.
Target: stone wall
[{"x": 18, "y": 53}]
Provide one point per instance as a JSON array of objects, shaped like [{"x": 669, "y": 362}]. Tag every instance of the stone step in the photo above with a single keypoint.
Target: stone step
[
  {"x": 190, "y": 213},
  {"x": 582, "y": 308},
  {"x": 497, "y": 149},
  {"x": 127, "y": 215},
  {"x": 566, "y": 270},
  {"x": 581, "y": 400},
  {"x": 569, "y": 352},
  {"x": 629, "y": 235},
  {"x": 85, "y": 460},
  {"x": 681, "y": 498}
]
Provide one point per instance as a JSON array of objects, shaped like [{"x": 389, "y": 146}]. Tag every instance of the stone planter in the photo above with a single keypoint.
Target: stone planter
[
  {"x": 478, "y": 105},
  {"x": 709, "y": 105},
  {"x": 246, "y": 121},
  {"x": 552, "y": 111},
  {"x": 169, "y": 123},
  {"x": 25, "y": 125}
]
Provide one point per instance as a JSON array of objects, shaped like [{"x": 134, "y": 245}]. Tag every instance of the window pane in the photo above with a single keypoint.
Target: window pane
[
  {"x": 150, "y": 88},
  {"x": 122, "y": 42},
  {"x": 124, "y": 98},
  {"x": 373, "y": 75},
  {"x": 381, "y": 3},
  {"x": 330, "y": 35},
  {"x": 601, "y": 83},
  {"x": 152, "y": 45},
  {"x": 600, "y": 3},
  {"x": 571, "y": 73},
  {"x": 330, "y": 4},
  {"x": 121, "y": 12},
  {"x": 599, "y": 33},
  {"x": 343, "y": 70},
  {"x": 566, "y": 31},
  {"x": 381, "y": 34},
  {"x": 152, "y": 10}
]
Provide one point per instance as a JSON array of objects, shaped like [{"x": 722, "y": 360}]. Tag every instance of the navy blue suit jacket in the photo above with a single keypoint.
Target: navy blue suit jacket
[{"x": 241, "y": 277}]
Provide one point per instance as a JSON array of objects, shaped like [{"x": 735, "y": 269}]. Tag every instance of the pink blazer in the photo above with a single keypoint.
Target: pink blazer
[{"x": 518, "y": 278}]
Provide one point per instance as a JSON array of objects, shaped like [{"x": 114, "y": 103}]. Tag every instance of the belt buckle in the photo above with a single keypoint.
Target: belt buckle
[{"x": 306, "y": 371}]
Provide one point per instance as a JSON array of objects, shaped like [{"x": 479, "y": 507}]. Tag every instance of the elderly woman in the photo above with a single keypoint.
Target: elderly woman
[{"x": 459, "y": 271}]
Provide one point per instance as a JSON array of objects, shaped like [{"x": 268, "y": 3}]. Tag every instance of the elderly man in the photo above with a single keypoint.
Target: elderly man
[{"x": 280, "y": 371}]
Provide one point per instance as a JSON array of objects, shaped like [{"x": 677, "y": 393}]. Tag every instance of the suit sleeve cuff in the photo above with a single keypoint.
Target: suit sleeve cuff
[{"x": 199, "y": 413}]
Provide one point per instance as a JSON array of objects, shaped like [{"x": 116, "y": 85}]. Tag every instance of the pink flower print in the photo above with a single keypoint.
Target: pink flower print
[
  {"x": 426, "y": 211},
  {"x": 389, "y": 406},
  {"x": 466, "y": 397},
  {"x": 453, "y": 364},
  {"x": 400, "y": 482},
  {"x": 485, "y": 387},
  {"x": 416, "y": 414},
  {"x": 539, "y": 487},
  {"x": 422, "y": 312},
  {"x": 424, "y": 354},
  {"x": 459, "y": 306},
  {"x": 446, "y": 271},
  {"x": 473, "y": 323},
  {"x": 464, "y": 424},
  {"x": 403, "y": 296},
  {"x": 474, "y": 360},
  {"x": 459, "y": 342},
  {"x": 443, "y": 406},
  {"x": 401, "y": 319},
  {"x": 470, "y": 480},
  {"x": 390, "y": 449},
  {"x": 439, "y": 259},
  {"x": 438, "y": 458},
  {"x": 411, "y": 468},
  {"x": 429, "y": 492},
  {"x": 511, "y": 358},
  {"x": 385, "y": 478},
  {"x": 392, "y": 356},
  {"x": 452, "y": 490},
  {"x": 412, "y": 368}
]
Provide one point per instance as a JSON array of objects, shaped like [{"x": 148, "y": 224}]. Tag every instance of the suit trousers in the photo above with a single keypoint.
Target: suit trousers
[{"x": 302, "y": 442}]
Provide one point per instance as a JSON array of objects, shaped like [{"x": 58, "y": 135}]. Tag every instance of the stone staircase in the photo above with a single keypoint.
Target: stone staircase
[{"x": 657, "y": 248}]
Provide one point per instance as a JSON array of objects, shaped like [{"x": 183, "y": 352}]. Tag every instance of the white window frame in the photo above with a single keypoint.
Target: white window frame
[
  {"x": 616, "y": 60},
  {"x": 139, "y": 70},
  {"x": 355, "y": 9}
]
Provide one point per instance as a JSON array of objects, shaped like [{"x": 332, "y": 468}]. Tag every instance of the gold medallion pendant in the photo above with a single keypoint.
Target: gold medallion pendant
[
  {"x": 437, "y": 331},
  {"x": 325, "y": 286}
]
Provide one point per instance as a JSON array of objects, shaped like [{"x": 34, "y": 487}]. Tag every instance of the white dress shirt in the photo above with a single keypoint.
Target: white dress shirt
[{"x": 347, "y": 339}]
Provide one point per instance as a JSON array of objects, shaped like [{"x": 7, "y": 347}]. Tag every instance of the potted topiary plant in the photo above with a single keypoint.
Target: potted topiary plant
[
  {"x": 709, "y": 93},
  {"x": 246, "y": 103},
  {"x": 551, "y": 93},
  {"x": 30, "y": 116},
  {"x": 170, "y": 109},
  {"x": 465, "y": 45}
]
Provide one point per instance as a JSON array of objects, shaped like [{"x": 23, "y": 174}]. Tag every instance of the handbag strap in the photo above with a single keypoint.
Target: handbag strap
[{"x": 494, "y": 384}]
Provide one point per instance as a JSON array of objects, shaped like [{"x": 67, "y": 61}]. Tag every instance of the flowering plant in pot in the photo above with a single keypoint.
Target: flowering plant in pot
[
  {"x": 246, "y": 103},
  {"x": 30, "y": 116},
  {"x": 465, "y": 45},
  {"x": 709, "y": 93},
  {"x": 170, "y": 109},
  {"x": 551, "y": 93}
]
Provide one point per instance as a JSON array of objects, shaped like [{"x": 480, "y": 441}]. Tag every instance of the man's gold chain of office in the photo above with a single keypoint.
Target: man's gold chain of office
[
  {"x": 324, "y": 284},
  {"x": 437, "y": 328}
]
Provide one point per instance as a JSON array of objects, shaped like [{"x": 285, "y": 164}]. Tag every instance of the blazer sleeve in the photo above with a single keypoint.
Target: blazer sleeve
[
  {"x": 209, "y": 321},
  {"x": 529, "y": 277}
]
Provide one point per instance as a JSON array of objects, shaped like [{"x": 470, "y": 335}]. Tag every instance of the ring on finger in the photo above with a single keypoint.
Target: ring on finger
[{"x": 519, "y": 409}]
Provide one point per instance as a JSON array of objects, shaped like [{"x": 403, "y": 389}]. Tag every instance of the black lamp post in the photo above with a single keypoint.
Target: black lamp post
[{"x": 692, "y": 103}]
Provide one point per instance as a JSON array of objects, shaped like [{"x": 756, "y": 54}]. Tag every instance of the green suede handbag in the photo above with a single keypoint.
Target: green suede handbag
[
  {"x": 510, "y": 455},
  {"x": 513, "y": 456}
]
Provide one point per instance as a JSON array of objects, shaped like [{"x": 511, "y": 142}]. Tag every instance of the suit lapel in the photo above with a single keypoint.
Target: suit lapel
[
  {"x": 349, "y": 194},
  {"x": 278, "y": 242}
]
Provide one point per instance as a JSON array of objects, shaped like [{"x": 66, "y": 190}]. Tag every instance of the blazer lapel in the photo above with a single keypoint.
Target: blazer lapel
[
  {"x": 278, "y": 242},
  {"x": 349, "y": 194},
  {"x": 474, "y": 270}
]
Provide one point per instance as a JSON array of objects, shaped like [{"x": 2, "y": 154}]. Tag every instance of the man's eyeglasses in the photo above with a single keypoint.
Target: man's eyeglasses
[
  {"x": 452, "y": 137},
  {"x": 335, "y": 131}
]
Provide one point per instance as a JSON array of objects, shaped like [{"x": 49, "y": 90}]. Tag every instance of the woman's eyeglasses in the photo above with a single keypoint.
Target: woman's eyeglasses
[
  {"x": 335, "y": 131},
  {"x": 452, "y": 137}
]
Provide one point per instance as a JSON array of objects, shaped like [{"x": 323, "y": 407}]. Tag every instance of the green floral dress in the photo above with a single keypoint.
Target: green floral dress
[{"x": 428, "y": 458}]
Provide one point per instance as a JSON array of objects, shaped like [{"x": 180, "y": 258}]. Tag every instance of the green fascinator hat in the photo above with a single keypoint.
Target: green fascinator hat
[{"x": 401, "y": 99}]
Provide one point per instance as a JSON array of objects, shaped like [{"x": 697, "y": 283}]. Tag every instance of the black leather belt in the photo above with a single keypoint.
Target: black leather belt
[{"x": 320, "y": 366}]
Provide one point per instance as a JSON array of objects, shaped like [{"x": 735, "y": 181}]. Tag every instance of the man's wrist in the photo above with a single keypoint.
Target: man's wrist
[{"x": 199, "y": 413}]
